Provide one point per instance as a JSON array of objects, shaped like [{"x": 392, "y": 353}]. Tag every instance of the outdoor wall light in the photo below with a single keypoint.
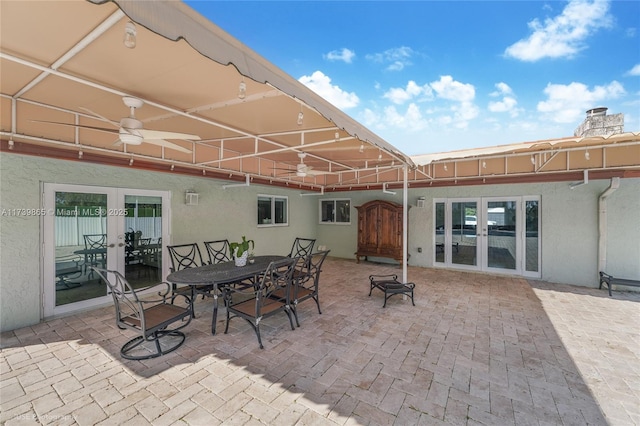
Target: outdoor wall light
[
  {"x": 361, "y": 148},
  {"x": 11, "y": 144},
  {"x": 587, "y": 156},
  {"x": 191, "y": 198},
  {"x": 300, "y": 118},
  {"x": 242, "y": 90},
  {"x": 130, "y": 35}
]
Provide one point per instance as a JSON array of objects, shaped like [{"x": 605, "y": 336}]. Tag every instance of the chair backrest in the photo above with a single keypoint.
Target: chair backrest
[
  {"x": 278, "y": 276},
  {"x": 315, "y": 265},
  {"x": 302, "y": 247},
  {"x": 125, "y": 298},
  {"x": 218, "y": 251},
  {"x": 95, "y": 241},
  {"x": 185, "y": 256}
]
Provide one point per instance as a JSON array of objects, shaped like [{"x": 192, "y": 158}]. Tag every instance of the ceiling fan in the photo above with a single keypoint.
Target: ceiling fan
[
  {"x": 303, "y": 170},
  {"x": 130, "y": 130}
]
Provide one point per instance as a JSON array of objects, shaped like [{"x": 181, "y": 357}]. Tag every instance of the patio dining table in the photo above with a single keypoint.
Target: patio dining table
[{"x": 220, "y": 274}]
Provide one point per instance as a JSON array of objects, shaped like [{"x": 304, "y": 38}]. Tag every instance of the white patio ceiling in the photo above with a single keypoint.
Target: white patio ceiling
[{"x": 65, "y": 62}]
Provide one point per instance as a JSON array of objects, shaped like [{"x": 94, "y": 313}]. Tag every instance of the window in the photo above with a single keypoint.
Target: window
[
  {"x": 273, "y": 210},
  {"x": 335, "y": 211}
]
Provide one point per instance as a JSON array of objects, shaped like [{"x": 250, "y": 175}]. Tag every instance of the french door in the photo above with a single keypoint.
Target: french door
[
  {"x": 495, "y": 234},
  {"x": 88, "y": 226}
]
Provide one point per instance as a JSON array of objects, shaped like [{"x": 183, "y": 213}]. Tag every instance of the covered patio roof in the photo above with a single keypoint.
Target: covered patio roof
[{"x": 65, "y": 62}]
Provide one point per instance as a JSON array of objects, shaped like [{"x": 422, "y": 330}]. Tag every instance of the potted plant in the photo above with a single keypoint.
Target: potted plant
[{"x": 240, "y": 250}]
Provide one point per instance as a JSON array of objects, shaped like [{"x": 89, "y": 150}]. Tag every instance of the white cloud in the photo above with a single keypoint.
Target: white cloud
[
  {"x": 567, "y": 103},
  {"x": 321, "y": 84},
  {"x": 344, "y": 55},
  {"x": 563, "y": 35},
  {"x": 397, "y": 58},
  {"x": 455, "y": 109},
  {"x": 448, "y": 88},
  {"x": 398, "y": 95},
  {"x": 408, "y": 121},
  {"x": 635, "y": 71},
  {"x": 503, "y": 89},
  {"x": 507, "y": 104}
]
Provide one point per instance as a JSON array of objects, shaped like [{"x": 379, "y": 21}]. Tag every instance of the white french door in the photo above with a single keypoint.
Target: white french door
[
  {"x": 114, "y": 228},
  {"x": 493, "y": 234}
]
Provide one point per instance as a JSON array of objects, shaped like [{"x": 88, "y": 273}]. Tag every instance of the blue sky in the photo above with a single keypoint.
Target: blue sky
[{"x": 434, "y": 76}]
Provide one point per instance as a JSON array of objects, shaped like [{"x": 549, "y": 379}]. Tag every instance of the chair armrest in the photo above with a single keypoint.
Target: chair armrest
[{"x": 164, "y": 289}]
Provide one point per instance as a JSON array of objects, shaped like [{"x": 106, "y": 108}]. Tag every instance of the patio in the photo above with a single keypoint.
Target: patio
[{"x": 477, "y": 349}]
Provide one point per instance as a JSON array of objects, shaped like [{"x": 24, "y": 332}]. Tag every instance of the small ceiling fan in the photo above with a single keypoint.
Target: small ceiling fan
[
  {"x": 303, "y": 170},
  {"x": 130, "y": 130}
]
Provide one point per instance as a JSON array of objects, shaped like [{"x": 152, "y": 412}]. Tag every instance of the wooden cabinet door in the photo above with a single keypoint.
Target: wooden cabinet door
[
  {"x": 368, "y": 233},
  {"x": 389, "y": 230}
]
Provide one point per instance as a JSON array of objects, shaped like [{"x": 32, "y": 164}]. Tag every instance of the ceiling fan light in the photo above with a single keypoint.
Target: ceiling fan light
[
  {"x": 130, "y": 138},
  {"x": 130, "y": 34}
]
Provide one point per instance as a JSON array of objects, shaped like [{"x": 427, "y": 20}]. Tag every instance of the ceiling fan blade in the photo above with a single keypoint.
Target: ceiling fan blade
[
  {"x": 159, "y": 134},
  {"x": 167, "y": 144},
  {"x": 100, "y": 129},
  {"x": 113, "y": 123},
  {"x": 319, "y": 172}
]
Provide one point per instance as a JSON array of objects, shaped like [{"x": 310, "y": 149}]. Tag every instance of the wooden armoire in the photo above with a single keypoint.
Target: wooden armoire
[{"x": 380, "y": 230}]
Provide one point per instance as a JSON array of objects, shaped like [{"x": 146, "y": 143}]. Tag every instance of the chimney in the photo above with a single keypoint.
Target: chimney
[{"x": 598, "y": 123}]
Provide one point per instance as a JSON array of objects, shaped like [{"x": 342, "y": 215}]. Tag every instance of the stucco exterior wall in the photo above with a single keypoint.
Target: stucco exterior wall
[
  {"x": 569, "y": 230},
  {"x": 569, "y": 222},
  {"x": 220, "y": 214}
]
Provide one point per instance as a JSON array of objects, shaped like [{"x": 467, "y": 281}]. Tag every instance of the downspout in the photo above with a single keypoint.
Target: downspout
[
  {"x": 602, "y": 223},
  {"x": 405, "y": 215}
]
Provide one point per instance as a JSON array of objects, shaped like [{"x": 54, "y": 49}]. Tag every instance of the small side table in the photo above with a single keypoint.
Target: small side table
[{"x": 390, "y": 285}]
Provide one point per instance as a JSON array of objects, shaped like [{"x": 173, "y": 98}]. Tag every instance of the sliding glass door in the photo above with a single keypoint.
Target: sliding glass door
[{"x": 113, "y": 228}]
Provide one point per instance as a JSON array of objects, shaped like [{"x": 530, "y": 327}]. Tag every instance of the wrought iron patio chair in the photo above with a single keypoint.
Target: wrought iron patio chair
[
  {"x": 218, "y": 251},
  {"x": 302, "y": 248},
  {"x": 254, "y": 305},
  {"x": 390, "y": 285},
  {"x": 185, "y": 256},
  {"x": 151, "y": 317},
  {"x": 306, "y": 286},
  {"x": 95, "y": 245},
  {"x": 68, "y": 269}
]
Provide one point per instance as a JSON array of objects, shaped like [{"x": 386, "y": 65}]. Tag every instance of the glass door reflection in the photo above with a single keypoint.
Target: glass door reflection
[
  {"x": 80, "y": 239},
  {"x": 464, "y": 224},
  {"x": 143, "y": 239}
]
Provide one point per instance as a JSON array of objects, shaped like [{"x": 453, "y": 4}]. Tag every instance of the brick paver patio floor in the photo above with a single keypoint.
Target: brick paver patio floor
[{"x": 477, "y": 349}]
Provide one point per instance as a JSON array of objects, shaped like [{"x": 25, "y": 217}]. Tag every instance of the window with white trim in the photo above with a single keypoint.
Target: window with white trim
[
  {"x": 336, "y": 211},
  {"x": 273, "y": 210}
]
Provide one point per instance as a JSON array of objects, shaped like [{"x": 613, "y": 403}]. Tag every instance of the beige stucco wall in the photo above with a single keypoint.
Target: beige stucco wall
[
  {"x": 569, "y": 222},
  {"x": 569, "y": 235},
  {"x": 220, "y": 214}
]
